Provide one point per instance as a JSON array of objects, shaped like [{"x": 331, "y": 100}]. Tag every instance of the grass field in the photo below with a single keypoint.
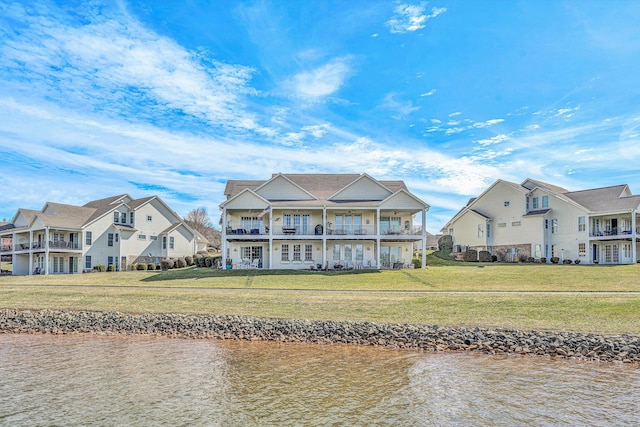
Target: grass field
[{"x": 597, "y": 299}]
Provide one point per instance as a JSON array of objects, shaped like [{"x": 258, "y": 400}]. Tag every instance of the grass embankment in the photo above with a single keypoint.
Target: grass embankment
[{"x": 530, "y": 296}]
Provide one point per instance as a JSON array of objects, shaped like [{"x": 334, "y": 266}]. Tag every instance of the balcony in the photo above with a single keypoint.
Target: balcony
[
  {"x": 613, "y": 233},
  {"x": 40, "y": 246}
]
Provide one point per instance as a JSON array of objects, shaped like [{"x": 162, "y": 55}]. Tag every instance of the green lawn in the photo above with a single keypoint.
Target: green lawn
[{"x": 449, "y": 295}]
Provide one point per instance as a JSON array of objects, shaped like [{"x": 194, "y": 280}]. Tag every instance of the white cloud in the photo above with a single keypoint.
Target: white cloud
[
  {"x": 431, "y": 92},
  {"x": 322, "y": 81},
  {"x": 493, "y": 140},
  {"x": 401, "y": 109},
  {"x": 408, "y": 18},
  {"x": 454, "y": 114}
]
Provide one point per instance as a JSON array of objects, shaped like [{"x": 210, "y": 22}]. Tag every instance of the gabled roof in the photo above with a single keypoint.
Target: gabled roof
[
  {"x": 320, "y": 186},
  {"x": 606, "y": 199}
]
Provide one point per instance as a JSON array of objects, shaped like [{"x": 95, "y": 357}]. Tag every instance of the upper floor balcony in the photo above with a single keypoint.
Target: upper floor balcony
[
  {"x": 613, "y": 232},
  {"x": 41, "y": 246}
]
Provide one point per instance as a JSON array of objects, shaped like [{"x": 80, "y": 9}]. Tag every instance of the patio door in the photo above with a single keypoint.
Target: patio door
[
  {"x": 73, "y": 264},
  {"x": 252, "y": 253},
  {"x": 611, "y": 254},
  {"x": 389, "y": 255}
]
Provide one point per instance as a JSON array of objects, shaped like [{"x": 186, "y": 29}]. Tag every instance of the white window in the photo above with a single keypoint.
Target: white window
[
  {"x": 538, "y": 251},
  {"x": 506, "y": 203},
  {"x": 123, "y": 218},
  {"x": 116, "y": 216},
  {"x": 131, "y": 218},
  {"x": 110, "y": 239},
  {"x": 554, "y": 251},
  {"x": 164, "y": 242},
  {"x": 545, "y": 201},
  {"x": 149, "y": 218},
  {"x": 582, "y": 224},
  {"x": 142, "y": 237},
  {"x": 480, "y": 230},
  {"x": 488, "y": 230},
  {"x": 296, "y": 253},
  {"x": 153, "y": 237},
  {"x": 284, "y": 252},
  {"x": 554, "y": 226},
  {"x": 308, "y": 252},
  {"x": 502, "y": 224},
  {"x": 627, "y": 250},
  {"x": 347, "y": 252},
  {"x": 336, "y": 252},
  {"x": 582, "y": 249},
  {"x": 171, "y": 242},
  {"x": 87, "y": 238},
  {"x": 359, "y": 252},
  {"x": 87, "y": 262},
  {"x": 535, "y": 203},
  {"x": 516, "y": 224}
]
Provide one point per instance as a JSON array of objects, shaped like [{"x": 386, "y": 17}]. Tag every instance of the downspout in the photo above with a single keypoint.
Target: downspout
[{"x": 271, "y": 239}]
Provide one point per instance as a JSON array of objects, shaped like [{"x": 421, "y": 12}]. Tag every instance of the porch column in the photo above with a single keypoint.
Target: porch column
[
  {"x": 634, "y": 250},
  {"x": 424, "y": 238},
  {"x": 46, "y": 250},
  {"x": 324, "y": 236},
  {"x": 378, "y": 238},
  {"x": 30, "y": 253},
  {"x": 223, "y": 234}
]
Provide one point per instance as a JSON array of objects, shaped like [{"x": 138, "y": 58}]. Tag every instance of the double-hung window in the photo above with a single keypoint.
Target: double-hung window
[{"x": 284, "y": 252}]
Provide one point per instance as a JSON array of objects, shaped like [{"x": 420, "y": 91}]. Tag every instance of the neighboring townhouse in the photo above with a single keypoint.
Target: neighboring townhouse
[
  {"x": 116, "y": 231},
  {"x": 541, "y": 220},
  {"x": 307, "y": 221}
]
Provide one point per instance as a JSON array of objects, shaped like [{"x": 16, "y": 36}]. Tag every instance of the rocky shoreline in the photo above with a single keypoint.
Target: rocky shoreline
[{"x": 622, "y": 348}]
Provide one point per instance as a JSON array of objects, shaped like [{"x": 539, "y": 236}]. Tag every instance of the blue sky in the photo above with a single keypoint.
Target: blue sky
[{"x": 175, "y": 97}]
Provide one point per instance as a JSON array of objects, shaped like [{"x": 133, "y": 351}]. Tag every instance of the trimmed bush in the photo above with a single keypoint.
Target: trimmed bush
[
  {"x": 166, "y": 264},
  {"x": 484, "y": 256},
  {"x": 576, "y": 261},
  {"x": 151, "y": 266},
  {"x": 189, "y": 260},
  {"x": 567, "y": 261},
  {"x": 111, "y": 267},
  {"x": 494, "y": 258},
  {"x": 100, "y": 267},
  {"x": 471, "y": 255},
  {"x": 141, "y": 266},
  {"x": 208, "y": 261},
  {"x": 543, "y": 260},
  {"x": 555, "y": 260},
  {"x": 181, "y": 263},
  {"x": 531, "y": 259},
  {"x": 417, "y": 262}
]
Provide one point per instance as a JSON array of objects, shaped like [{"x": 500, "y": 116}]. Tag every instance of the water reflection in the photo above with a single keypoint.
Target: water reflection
[{"x": 82, "y": 380}]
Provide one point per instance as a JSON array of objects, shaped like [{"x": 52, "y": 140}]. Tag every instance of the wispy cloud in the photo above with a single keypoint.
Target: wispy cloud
[
  {"x": 431, "y": 92},
  {"x": 322, "y": 81},
  {"x": 400, "y": 109},
  {"x": 408, "y": 17}
]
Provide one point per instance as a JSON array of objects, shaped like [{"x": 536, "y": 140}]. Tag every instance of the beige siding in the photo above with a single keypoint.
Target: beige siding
[
  {"x": 282, "y": 189},
  {"x": 247, "y": 200},
  {"x": 363, "y": 189},
  {"x": 401, "y": 200}
]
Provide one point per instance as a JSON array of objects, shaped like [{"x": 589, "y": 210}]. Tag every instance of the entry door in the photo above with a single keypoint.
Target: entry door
[{"x": 611, "y": 254}]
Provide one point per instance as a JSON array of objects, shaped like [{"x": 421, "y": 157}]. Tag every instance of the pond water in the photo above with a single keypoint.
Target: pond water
[{"x": 95, "y": 380}]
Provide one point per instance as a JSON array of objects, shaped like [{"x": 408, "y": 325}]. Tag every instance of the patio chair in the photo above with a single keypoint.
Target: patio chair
[{"x": 254, "y": 264}]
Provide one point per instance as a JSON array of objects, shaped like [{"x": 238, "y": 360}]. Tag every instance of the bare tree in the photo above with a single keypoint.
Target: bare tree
[{"x": 198, "y": 219}]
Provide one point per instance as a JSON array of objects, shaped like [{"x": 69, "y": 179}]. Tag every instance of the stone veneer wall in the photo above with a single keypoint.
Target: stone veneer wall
[{"x": 624, "y": 348}]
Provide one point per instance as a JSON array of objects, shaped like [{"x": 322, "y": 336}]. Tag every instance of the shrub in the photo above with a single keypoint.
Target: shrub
[
  {"x": 141, "y": 266},
  {"x": 555, "y": 259},
  {"x": 131, "y": 267},
  {"x": 188, "y": 260},
  {"x": 181, "y": 263},
  {"x": 111, "y": 267},
  {"x": 417, "y": 262},
  {"x": 208, "y": 261},
  {"x": 151, "y": 266},
  {"x": 100, "y": 267},
  {"x": 576, "y": 261},
  {"x": 494, "y": 258},
  {"x": 445, "y": 243},
  {"x": 166, "y": 264},
  {"x": 485, "y": 256},
  {"x": 531, "y": 259},
  {"x": 471, "y": 255},
  {"x": 567, "y": 261},
  {"x": 543, "y": 260},
  {"x": 522, "y": 258}
]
